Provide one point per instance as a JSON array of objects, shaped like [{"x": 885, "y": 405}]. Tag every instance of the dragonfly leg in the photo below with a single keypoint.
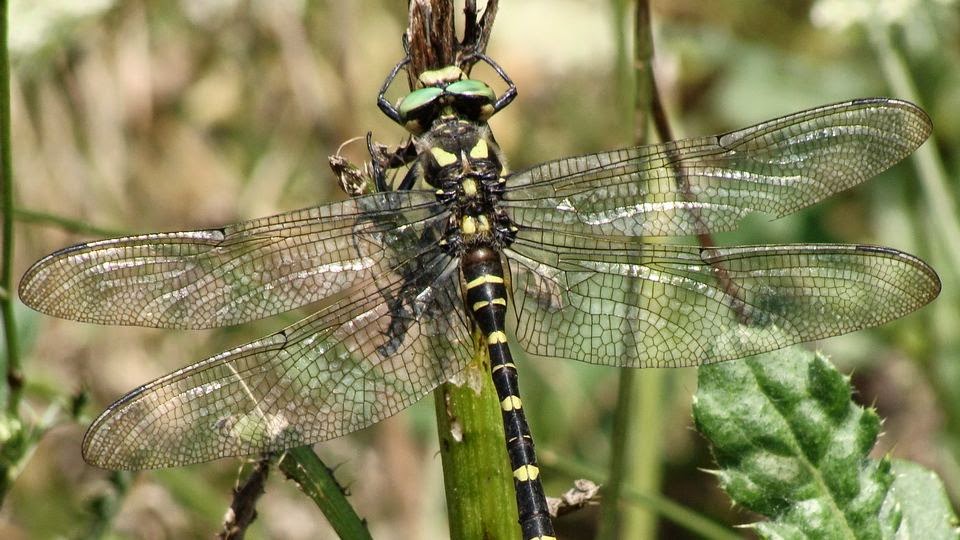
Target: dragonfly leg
[
  {"x": 511, "y": 91},
  {"x": 388, "y": 108}
]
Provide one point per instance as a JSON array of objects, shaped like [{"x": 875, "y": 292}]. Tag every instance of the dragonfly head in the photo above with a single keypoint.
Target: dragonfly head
[{"x": 446, "y": 92}]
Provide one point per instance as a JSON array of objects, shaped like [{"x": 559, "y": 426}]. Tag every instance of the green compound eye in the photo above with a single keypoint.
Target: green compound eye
[
  {"x": 472, "y": 99},
  {"x": 472, "y": 88},
  {"x": 418, "y": 99}
]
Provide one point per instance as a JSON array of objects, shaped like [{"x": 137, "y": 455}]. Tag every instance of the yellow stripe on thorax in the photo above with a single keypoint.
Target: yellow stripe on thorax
[
  {"x": 443, "y": 157},
  {"x": 469, "y": 187},
  {"x": 468, "y": 225},
  {"x": 480, "y": 150}
]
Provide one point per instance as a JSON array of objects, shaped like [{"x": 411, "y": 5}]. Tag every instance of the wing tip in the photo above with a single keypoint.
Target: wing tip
[
  {"x": 921, "y": 120},
  {"x": 936, "y": 285}
]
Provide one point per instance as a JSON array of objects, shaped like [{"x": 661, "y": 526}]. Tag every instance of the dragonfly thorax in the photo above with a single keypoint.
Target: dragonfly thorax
[
  {"x": 462, "y": 162},
  {"x": 458, "y": 141}
]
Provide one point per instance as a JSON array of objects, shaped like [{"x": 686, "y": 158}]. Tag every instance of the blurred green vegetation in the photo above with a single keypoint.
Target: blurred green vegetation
[{"x": 162, "y": 115}]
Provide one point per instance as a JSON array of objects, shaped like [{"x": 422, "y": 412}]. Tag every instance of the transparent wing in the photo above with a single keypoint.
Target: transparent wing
[
  {"x": 708, "y": 184},
  {"x": 247, "y": 271},
  {"x": 346, "y": 367},
  {"x": 658, "y": 305}
]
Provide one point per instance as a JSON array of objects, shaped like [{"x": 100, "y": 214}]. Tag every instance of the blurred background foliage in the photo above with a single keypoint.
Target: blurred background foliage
[{"x": 148, "y": 115}]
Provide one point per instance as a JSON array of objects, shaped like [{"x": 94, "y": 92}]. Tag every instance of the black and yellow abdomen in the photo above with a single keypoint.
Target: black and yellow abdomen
[
  {"x": 486, "y": 296},
  {"x": 462, "y": 162}
]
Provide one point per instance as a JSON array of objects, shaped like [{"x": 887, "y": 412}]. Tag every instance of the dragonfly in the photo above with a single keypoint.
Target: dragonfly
[{"x": 556, "y": 257}]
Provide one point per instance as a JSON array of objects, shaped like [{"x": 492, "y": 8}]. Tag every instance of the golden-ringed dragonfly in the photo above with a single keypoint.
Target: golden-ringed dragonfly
[{"x": 551, "y": 256}]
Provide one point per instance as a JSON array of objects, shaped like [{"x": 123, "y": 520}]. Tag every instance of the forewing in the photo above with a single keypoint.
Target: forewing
[
  {"x": 219, "y": 277},
  {"x": 652, "y": 305},
  {"x": 708, "y": 184},
  {"x": 352, "y": 364}
]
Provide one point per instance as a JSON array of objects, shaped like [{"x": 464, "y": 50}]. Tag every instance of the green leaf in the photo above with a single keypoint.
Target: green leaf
[
  {"x": 793, "y": 447},
  {"x": 918, "y": 496}
]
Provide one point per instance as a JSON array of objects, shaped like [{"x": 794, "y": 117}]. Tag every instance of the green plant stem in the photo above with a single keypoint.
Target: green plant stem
[
  {"x": 14, "y": 377},
  {"x": 943, "y": 231},
  {"x": 700, "y": 525},
  {"x": 611, "y": 516},
  {"x": 927, "y": 158},
  {"x": 646, "y": 472},
  {"x": 611, "y": 523},
  {"x": 643, "y": 76},
  {"x": 476, "y": 473},
  {"x": 104, "y": 507},
  {"x": 637, "y": 423},
  {"x": 304, "y": 467},
  {"x": 70, "y": 225}
]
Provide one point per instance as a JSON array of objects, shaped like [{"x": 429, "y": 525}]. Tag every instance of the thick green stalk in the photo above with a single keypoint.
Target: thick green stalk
[{"x": 476, "y": 473}]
